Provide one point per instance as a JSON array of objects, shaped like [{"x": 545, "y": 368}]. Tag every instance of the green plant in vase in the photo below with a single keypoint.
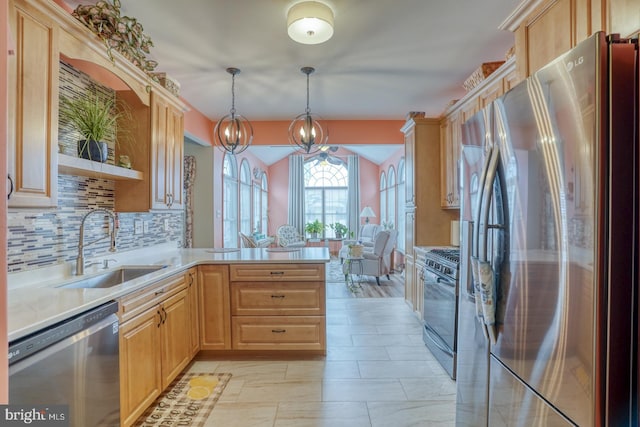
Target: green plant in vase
[
  {"x": 339, "y": 229},
  {"x": 96, "y": 118},
  {"x": 314, "y": 228}
]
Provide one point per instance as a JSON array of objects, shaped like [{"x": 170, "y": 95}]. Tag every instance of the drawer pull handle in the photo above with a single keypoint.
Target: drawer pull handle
[
  {"x": 279, "y": 331},
  {"x": 278, "y": 296},
  {"x": 160, "y": 292},
  {"x": 280, "y": 273}
]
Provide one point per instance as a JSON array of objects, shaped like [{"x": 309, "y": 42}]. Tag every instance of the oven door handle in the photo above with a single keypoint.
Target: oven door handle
[
  {"x": 438, "y": 278},
  {"x": 437, "y": 340},
  {"x": 446, "y": 281}
]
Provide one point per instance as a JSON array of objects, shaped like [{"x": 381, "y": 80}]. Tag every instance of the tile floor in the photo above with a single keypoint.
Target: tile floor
[{"x": 377, "y": 373}]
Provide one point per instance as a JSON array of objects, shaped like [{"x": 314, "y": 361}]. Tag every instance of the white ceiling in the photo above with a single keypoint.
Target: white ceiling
[{"x": 385, "y": 59}]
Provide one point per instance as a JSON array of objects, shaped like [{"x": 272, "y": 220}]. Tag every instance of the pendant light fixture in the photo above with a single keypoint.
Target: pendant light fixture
[
  {"x": 305, "y": 131},
  {"x": 233, "y": 132}
]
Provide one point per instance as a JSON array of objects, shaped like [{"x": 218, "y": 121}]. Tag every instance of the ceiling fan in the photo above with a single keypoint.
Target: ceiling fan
[{"x": 324, "y": 156}]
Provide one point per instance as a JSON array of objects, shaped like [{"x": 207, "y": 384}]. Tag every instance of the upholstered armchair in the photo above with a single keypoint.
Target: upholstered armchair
[
  {"x": 366, "y": 236},
  {"x": 377, "y": 261},
  {"x": 249, "y": 242},
  {"x": 289, "y": 237}
]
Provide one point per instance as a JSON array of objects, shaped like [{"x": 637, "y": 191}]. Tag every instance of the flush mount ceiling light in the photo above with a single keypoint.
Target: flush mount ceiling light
[
  {"x": 233, "y": 133},
  {"x": 310, "y": 22},
  {"x": 306, "y": 131}
]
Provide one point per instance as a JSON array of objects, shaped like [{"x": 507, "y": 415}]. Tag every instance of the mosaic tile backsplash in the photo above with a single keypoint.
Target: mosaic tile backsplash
[{"x": 44, "y": 238}]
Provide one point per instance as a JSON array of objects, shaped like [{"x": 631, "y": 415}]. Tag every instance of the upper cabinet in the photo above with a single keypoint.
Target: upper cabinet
[
  {"x": 166, "y": 148},
  {"x": 45, "y": 34},
  {"x": 159, "y": 132},
  {"x": 495, "y": 85},
  {"x": 33, "y": 109},
  {"x": 449, "y": 155},
  {"x": 549, "y": 28}
]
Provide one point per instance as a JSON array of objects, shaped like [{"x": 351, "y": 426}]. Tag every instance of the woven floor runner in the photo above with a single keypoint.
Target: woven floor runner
[{"x": 187, "y": 401}]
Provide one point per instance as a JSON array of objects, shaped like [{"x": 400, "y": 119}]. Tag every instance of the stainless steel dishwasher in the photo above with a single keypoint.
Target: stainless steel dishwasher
[{"x": 72, "y": 363}]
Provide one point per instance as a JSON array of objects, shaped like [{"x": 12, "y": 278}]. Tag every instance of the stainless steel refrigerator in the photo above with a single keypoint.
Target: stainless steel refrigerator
[{"x": 547, "y": 319}]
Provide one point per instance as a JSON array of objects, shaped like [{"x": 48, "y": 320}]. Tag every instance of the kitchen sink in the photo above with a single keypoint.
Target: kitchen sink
[{"x": 115, "y": 277}]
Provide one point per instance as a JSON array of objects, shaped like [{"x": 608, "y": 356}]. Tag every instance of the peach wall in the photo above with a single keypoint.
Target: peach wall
[
  {"x": 195, "y": 123},
  {"x": 369, "y": 188},
  {"x": 341, "y": 132},
  {"x": 4, "y": 47},
  {"x": 279, "y": 189}
]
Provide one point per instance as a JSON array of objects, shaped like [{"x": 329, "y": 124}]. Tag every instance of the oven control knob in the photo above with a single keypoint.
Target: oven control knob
[{"x": 447, "y": 270}]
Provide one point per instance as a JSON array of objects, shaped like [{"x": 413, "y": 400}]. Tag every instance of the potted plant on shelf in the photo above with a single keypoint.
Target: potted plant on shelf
[
  {"x": 313, "y": 228},
  {"x": 96, "y": 119},
  {"x": 339, "y": 229}
]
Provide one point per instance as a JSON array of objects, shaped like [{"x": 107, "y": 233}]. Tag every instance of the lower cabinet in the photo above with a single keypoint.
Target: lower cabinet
[
  {"x": 215, "y": 321},
  {"x": 154, "y": 343},
  {"x": 278, "y": 307},
  {"x": 215, "y": 307},
  {"x": 278, "y": 316},
  {"x": 193, "y": 310}
]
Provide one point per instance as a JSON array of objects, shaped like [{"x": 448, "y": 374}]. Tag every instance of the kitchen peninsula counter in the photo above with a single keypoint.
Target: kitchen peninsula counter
[{"x": 36, "y": 299}]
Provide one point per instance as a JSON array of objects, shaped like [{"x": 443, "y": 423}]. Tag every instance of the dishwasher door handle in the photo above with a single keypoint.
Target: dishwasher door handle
[{"x": 110, "y": 321}]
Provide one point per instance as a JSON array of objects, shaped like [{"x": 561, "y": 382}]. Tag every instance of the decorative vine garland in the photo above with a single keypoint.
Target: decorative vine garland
[{"x": 121, "y": 33}]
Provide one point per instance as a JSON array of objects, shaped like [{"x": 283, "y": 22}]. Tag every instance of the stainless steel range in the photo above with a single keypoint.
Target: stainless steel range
[{"x": 440, "y": 312}]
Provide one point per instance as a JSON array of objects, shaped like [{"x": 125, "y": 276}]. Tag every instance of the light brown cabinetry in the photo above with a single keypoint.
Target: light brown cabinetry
[
  {"x": 194, "y": 310},
  {"x": 426, "y": 222},
  {"x": 419, "y": 279},
  {"x": 432, "y": 224},
  {"x": 154, "y": 343},
  {"x": 160, "y": 132},
  {"x": 449, "y": 155},
  {"x": 215, "y": 320},
  {"x": 278, "y": 307},
  {"x": 553, "y": 27},
  {"x": 167, "y": 141},
  {"x": 33, "y": 108}
]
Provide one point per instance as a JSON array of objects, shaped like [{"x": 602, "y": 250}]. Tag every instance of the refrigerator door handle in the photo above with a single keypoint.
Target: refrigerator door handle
[
  {"x": 486, "y": 278},
  {"x": 475, "y": 238}
]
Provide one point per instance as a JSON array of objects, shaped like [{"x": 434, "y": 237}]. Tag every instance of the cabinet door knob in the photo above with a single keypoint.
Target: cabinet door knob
[{"x": 10, "y": 186}]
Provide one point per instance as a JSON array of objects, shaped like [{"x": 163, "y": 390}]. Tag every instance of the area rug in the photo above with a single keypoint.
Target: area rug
[
  {"x": 187, "y": 401},
  {"x": 365, "y": 286}
]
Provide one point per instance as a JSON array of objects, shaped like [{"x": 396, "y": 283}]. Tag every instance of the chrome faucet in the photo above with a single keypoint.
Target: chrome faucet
[{"x": 81, "y": 245}]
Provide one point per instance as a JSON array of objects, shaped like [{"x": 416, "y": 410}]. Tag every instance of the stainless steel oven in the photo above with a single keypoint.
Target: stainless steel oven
[{"x": 440, "y": 313}]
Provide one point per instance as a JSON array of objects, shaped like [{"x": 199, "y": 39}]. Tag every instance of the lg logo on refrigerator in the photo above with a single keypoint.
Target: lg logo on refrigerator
[{"x": 575, "y": 63}]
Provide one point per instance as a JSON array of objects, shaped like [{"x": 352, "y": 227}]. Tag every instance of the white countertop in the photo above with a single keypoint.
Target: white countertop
[{"x": 35, "y": 300}]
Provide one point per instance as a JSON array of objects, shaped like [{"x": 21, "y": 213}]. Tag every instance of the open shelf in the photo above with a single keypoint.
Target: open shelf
[{"x": 70, "y": 165}]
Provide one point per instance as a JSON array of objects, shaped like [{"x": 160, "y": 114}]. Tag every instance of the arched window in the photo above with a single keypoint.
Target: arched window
[
  {"x": 383, "y": 198},
  {"x": 401, "y": 207},
  {"x": 264, "y": 205},
  {"x": 391, "y": 198},
  {"x": 326, "y": 188},
  {"x": 245, "y": 197},
  {"x": 230, "y": 201},
  {"x": 260, "y": 212}
]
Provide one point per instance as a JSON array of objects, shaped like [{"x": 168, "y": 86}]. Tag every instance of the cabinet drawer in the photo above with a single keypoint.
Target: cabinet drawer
[
  {"x": 278, "y": 333},
  {"x": 137, "y": 302},
  {"x": 270, "y": 299},
  {"x": 276, "y": 272}
]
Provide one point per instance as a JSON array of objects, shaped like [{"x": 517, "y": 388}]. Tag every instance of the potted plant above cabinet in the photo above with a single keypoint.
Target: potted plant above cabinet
[{"x": 96, "y": 119}]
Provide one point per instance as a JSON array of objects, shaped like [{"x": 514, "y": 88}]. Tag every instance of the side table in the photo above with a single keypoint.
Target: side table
[{"x": 354, "y": 267}]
